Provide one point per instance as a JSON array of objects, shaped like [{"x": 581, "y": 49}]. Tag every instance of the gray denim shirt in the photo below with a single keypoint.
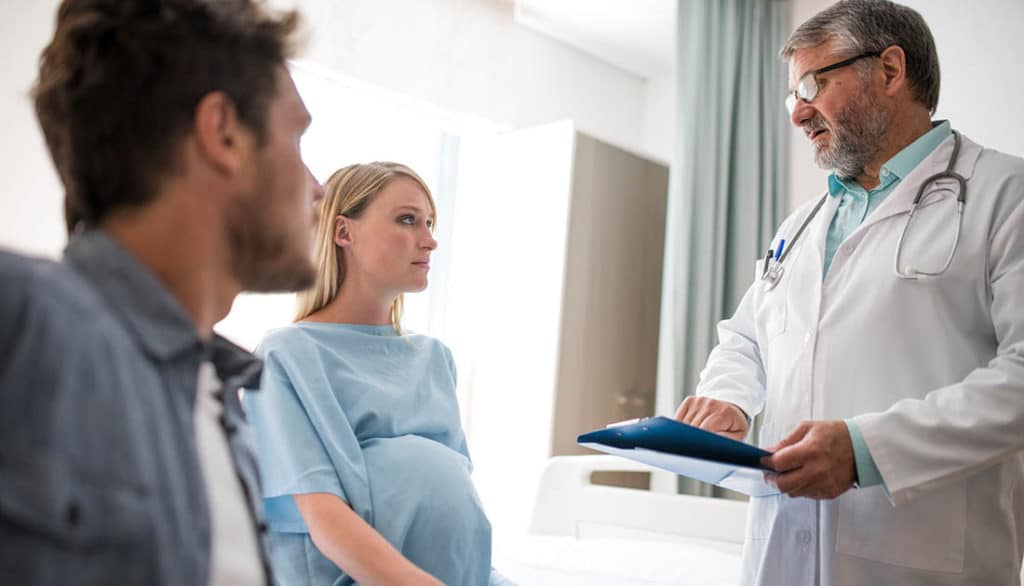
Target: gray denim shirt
[{"x": 100, "y": 477}]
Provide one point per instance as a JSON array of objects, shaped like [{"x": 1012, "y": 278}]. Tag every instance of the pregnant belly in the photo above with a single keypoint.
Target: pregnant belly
[{"x": 425, "y": 504}]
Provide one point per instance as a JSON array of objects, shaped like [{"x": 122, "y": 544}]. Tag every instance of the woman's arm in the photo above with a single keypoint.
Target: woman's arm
[{"x": 355, "y": 546}]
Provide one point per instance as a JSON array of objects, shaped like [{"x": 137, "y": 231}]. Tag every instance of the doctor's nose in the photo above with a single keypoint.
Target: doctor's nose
[{"x": 802, "y": 113}]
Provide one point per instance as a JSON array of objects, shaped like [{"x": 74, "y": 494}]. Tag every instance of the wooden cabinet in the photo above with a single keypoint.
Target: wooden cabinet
[{"x": 608, "y": 347}]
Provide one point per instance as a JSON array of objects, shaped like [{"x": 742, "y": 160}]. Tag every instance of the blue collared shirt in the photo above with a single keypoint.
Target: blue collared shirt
[
  {"x": 855, "y": 204},
  {"x": 100, "y": 477}
]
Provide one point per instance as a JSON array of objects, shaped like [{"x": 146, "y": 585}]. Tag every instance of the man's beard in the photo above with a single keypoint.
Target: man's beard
[
  {"x": 856, "y": 137},
  {"x": 262, "y": 256}
]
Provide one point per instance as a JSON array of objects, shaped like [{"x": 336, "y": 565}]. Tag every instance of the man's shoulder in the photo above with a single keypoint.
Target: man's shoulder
[
  {"x": 58, "y": 353},
  {"x": 45, "y": 306},
  {"x": 36, "y": 284},
  {"x": 997, "y": 180},
  {"x": 1000, "y": 163}
]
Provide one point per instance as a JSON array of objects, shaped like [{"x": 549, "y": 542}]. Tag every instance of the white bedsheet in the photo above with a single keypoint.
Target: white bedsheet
[{"x": 566, "y": 561}]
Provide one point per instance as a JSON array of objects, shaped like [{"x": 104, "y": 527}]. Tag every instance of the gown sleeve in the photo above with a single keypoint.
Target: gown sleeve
[{"x": 305, "y": 442}]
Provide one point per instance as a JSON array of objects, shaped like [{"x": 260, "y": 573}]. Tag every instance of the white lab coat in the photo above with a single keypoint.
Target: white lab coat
[{"x": 932, "y": 372}]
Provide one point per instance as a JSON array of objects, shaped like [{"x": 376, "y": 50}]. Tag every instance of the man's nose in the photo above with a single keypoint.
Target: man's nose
[
  {"x": 317, "y": 189},
  {"x": 802, "y": 113}
]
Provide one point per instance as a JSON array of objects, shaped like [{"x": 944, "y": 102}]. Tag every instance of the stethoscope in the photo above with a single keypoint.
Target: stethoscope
[{"x": 773, "y": 269}]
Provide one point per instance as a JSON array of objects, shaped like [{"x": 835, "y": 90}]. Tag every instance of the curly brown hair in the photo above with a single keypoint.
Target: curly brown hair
[{"x": 120, "y": 80}]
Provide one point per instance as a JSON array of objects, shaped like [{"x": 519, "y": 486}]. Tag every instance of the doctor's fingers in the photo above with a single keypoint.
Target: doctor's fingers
[
  {"x": 791, "y": 457},
  {"x": 726, "y": 422},
  {"x": 694, "y": 409},
  {"x": 797, "y": 435},
  {"x": 724, "y": 410},
  {"x": 686, "y": 410},
  {"x": 812, "y": 481}
]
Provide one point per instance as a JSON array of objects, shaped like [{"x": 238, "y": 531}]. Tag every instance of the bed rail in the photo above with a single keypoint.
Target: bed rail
[{"x": 569, "y": 504}]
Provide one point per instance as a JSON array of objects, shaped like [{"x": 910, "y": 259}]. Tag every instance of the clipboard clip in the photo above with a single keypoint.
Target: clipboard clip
[{"x": 626, "y": 422}]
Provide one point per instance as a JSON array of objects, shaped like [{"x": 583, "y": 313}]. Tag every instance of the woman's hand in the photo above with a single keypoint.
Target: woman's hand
[{"x": 355, "y": 546}]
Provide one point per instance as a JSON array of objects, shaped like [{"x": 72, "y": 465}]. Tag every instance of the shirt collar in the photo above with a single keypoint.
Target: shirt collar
[
  {"x": 900, "y": 165},
  {"x": 149, "y": 312}
]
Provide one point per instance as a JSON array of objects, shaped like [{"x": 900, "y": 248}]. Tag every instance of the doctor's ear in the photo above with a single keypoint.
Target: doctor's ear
[
  {"x": 894, "y": 68},
  {"x": 342, "y": 231}
]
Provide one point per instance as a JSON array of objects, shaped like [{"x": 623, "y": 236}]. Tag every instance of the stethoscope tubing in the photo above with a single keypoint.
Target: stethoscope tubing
[{"x": 774, "y": 268}]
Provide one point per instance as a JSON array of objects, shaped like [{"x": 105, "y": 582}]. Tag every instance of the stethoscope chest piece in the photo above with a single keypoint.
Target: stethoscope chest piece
[{"x": 773, "y": 275}]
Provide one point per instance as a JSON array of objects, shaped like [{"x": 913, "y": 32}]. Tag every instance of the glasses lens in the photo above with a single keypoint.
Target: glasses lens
[{"x": 807, "y": 88}]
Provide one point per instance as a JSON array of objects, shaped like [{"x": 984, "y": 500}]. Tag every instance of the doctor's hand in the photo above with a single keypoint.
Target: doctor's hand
[
  {"x": 815, "y": 461},
  {"x": 713, "y": 415}
]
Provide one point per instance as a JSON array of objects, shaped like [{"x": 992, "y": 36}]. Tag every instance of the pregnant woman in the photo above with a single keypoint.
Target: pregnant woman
[{"x": 366, "y": 475}]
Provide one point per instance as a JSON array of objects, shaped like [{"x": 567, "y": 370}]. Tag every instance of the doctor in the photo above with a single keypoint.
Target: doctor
[{"x": 887, "y": 355}]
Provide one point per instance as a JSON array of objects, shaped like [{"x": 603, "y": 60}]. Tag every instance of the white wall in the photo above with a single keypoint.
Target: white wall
[
  {"x": 465, "y": 56},
  {"x": 658, "y": 124},
  {"x": 31, "y": 217},
  {"x": 979, "y": 45},
  {"x": 470, "y": 56}
]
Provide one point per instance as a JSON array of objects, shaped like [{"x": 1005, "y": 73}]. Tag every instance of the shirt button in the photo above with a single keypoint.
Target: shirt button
[
  {"x": 807, "y": 338},
  {"x": 73, "y": 515},
  {"x": 803, "y": 537}
]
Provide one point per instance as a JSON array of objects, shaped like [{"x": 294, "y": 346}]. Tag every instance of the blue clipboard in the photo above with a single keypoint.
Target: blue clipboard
[{"x": 687, "y": 450}]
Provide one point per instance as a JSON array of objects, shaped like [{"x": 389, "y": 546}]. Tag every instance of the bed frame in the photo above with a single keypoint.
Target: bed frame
[{"x": 568, "y": 504}]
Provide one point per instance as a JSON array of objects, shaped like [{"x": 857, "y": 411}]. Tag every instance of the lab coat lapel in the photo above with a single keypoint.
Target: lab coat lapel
[
  {"x": 817, "y": 232},
  {"x": 807, "y": 273}
]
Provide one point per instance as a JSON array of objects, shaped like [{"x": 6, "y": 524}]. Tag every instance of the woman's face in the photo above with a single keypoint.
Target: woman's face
[{"x": 388, "y": 247}]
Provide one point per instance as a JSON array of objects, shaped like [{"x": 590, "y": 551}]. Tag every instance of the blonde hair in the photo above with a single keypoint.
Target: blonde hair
[{"x": 347, "y": 193}]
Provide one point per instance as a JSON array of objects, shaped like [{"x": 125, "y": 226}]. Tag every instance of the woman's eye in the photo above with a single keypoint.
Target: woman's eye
[
  {"x": 430, "y": 224},
  {"x": 410, "y": 220}
]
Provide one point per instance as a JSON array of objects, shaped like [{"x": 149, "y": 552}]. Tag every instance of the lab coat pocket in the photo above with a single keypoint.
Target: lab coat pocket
[
  {"x": 926, "y": 533},
  {"x": 770, "y": 308}
]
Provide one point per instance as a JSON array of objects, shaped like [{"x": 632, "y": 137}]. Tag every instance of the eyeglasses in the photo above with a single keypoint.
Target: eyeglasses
[{"x": 807, "y": 88}]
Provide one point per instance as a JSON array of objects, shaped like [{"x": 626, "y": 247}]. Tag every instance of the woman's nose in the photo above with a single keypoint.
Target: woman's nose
[{"x": 429, "y": 242}]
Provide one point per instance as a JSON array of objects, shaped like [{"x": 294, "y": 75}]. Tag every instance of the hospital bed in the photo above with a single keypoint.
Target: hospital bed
[{"x": 587, "y": 534}]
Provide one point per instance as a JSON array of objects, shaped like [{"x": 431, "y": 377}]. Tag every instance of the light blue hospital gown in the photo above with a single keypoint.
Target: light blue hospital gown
[{"x": 370, "y": 416}]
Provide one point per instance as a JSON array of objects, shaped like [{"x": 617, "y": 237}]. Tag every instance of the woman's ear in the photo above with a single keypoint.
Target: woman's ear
[{"x": 342, "y": 233}]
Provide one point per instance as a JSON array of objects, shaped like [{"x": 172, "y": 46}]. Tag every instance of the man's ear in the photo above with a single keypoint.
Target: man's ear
[
  {"x": 220, "y": 136},
  {"x": 894, "y": 69},
  {"x": 342, "y": 231}
]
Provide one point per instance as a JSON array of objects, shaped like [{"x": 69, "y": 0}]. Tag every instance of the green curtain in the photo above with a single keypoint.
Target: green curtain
[{"x": 727, "y": 184}]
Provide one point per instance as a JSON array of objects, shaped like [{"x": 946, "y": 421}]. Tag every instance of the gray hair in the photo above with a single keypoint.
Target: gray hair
[{"x": 867, "y": 26}]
